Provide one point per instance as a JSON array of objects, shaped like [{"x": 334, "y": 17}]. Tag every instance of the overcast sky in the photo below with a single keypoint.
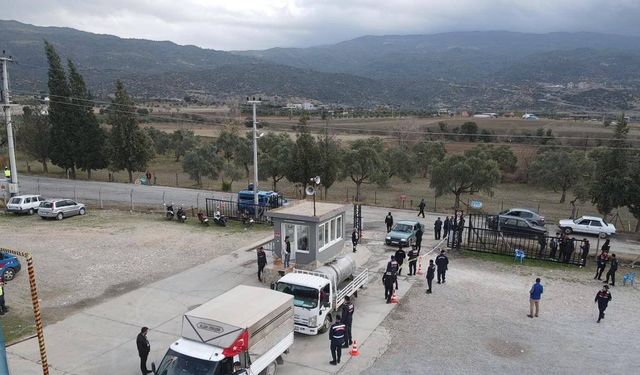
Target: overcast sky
[{"x": 261, "y": 24}]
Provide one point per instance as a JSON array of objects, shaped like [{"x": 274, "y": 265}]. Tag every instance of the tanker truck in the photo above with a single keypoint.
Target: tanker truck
[
  {"x": 318, "y": 295},
  {"x": 247, "y": 324}
]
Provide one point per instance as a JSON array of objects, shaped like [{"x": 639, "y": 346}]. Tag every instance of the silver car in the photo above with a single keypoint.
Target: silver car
[{"x": 60, "y": 208}]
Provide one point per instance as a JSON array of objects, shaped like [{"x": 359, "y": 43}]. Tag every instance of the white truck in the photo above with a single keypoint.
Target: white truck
[
  {"x": 247, "y": 324},
  {"x": 318, "y": 295}
]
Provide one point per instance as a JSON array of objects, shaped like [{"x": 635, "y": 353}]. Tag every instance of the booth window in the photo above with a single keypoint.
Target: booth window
[{"x": 329, "y": 233}]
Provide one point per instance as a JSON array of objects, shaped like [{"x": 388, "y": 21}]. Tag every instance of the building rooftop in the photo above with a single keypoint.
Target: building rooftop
[{"x": 303, "y": 210}]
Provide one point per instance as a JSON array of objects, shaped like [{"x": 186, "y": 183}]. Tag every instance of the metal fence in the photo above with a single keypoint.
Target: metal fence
[
  {"x": 477, "y": 235},
  {"x": 235, "y": 210}
]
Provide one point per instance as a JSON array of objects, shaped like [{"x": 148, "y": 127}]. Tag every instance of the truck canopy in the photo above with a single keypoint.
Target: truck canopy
[{"x": 263, "y": 313}]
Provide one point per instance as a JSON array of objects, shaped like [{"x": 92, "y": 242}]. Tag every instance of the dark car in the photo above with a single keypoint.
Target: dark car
[
  {"x": 517, "y": 226},
  {"x": 525, "y": 214},
  {"x": 9, "y": 266}
]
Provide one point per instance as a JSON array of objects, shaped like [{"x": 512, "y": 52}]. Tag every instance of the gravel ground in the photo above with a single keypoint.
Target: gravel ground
[
  {"x": 476, "y": 323},
  {"x": 81, "y": 261}
]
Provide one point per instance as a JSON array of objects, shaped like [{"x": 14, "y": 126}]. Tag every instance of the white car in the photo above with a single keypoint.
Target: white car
[
  {"x": 24, "y": 204},
  {"x": 589, "y": 225}
]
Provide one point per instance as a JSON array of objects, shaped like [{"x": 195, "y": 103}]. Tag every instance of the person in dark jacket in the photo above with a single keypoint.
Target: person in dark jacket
[
  {"x": 262, "y": 262},
  {"x": 562, "y": 246},
  {"x": 421, "y": 207},
  {"x": 419, "y": 234},
  {"x": 3, "y": 307},
  {"x": 413, "y": 260},
  {"x": 613, "y": 267},
  {"x": 336, "y": 336},
  {"x": 437, "y": 228},
  {"x": 603, "y": 259},
  {"x": 388, "y": 220},
  {"x": 388, "y": 279},
  {"x": 446, "y": 226},
  {"x": 602, "y": 299},
  {"x": 431, "y": 270},
  {"x": 400, "y": 255},
  {"x": 569, "y": 249},
  {"x": 606, "y": 246},
  {"x": 442, "y": 262},
  {"x": 393, "y": 266},
  {"x": 585, "y": 247},
  {"x": 553, "y": 244},
  {"x": 347, "y": 318},
  {"x": 354, "y": 239},
  {"x": 143, "y": 349},
  {"x": 287, "y": 251}
]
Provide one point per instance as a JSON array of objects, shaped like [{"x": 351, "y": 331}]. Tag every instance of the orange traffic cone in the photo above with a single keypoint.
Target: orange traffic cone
[
  {"x": 354, "y": 349},
  {"x": 394, "y": 298},
  {"x": 420, "y": 266}
]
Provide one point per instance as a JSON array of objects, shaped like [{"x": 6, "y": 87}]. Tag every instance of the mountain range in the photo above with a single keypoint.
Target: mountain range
[{"x": 492, "y": 70}]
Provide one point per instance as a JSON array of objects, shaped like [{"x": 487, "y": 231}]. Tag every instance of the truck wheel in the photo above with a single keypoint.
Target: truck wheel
[
  {"x": 325, "y": 326},
  {"x": 271, "y": 369}
]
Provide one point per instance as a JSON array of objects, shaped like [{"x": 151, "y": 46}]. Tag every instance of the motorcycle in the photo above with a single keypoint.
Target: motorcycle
[
  {"x": 181, "y": 215},
  {"x": 169, "y": 214},
  {"x": 203, "y": 218},
  {"x": 219, "y": 219},
  {"x": 247, "y": 220}
]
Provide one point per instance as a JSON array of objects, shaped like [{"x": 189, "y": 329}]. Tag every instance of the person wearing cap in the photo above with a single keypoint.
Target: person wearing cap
[
  {"x": 535, "y": 294},
  {"x": 603, "y": 259},
  {"x": 336, "y": 336},
  {"x": 143, "y": 349},
  {"x": 413, "y": 260},
  {"x": 388, "y": 220},
  {"x": 602, "y": 299},
  {"x": 431, "y": 270},
  {"x": 400, "y": 255},
  {"x": 238, "y": 369},
  {"x": 393, "y": 267},
  {"x": 419, "y": 234},
  {"x": 442, "y": 262},
  {"x": 3, "y": 308},
  {"x": 347, "y": 318}
]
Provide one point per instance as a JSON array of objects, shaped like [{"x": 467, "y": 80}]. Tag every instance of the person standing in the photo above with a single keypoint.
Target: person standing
[
  {"x": 613, "y": 267},
  {"x": 437, "y": 228},
  {"x": 400, "y": 255},
  {"x": 413, "y": 260},
  {"x": 553, "y": 244},
  {"x": 354, "y": 239},
  {"x": 447, "y": 226},
  {"x": 421, "y": 206},
  {"x": 535, "y": 293},
  {"x": 347, "y": 318},
  {"x": 602, "y": 299},
  {"x": 7, "y": 173},
  {"x": 431, "y": 270},
  {"x": 388, "y": 220},
  {"x": 606, "y": 246},
  {"x": 603, "y": 259},
  {"x": 570, "y": 248},
  {"x": 419, "y": 234},
  {"x": 3, "y": 307},
  {"x": 388, "y": 279},
  {"x": 393, "y": 266},
  {"x": 442, "y": 262},
  {"x": 262, "y": 262},
  {"x": 143, "y": 349},
  {"x": 336, "y": 336},
  {"x": 287, "y": 252},
  {"x": 584, "y": 248}
]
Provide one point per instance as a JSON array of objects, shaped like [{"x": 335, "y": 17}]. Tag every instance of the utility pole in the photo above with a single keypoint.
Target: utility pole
[
  {"x": 255, "y": 102},
  {"x": 13, "y": 183}
]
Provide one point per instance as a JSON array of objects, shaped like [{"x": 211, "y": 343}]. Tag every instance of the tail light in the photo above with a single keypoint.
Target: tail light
[
  {"x": 2, "y": 264},
  {"x": 240, "y": 345}
]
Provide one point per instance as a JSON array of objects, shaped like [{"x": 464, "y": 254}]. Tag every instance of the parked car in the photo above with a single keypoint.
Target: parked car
[
  {"x": 24, "y": 204},
  {"x": 403, "y": 233},
  {"x": 588, "y": 224},
  {"x": 525, "y": 214},
  {"x": 517, "y": 225},
  {"x": 9, "y": 266},
  {"x": 60, "y": 208}
]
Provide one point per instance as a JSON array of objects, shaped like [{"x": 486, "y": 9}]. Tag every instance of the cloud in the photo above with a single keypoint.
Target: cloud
[{"x": 260, "y": 24}]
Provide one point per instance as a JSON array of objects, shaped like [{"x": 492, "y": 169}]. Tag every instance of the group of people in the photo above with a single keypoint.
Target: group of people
[
  {"x": 603, "y": 297},
  {"x": 602, "y": 260},
  {"x": 562, "y": 247},
  {"x": 394, "y": 269}
]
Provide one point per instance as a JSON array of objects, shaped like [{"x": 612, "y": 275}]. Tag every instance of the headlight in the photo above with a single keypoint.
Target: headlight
[
  {"x": 403, "y": 240},
  {"x": 388, "y": 237},
  {"x": 313, "y": 321}
]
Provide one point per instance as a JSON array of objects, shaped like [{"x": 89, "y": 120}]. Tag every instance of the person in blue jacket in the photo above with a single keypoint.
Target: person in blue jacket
[{"x": 534, "y": 298}]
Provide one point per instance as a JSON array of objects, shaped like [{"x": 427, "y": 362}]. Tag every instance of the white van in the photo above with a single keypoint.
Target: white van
[{"x": 23, "y": 204}]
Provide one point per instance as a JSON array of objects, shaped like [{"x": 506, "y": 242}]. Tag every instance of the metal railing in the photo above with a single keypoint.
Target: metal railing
[{"x": 235, "y": 210}]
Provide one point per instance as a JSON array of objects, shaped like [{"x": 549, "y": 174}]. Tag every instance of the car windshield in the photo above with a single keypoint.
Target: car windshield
[
  {"x": 302, "y": 296},
  {"x": 15, "y": 200},
  {"x": 175, "y": 363},
  {"x": 406, "y": 228}
]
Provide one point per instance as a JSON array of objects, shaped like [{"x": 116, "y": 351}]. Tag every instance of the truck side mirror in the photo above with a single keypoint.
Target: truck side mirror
[
  {"x": 273, "y": 286},
  {"x": 153, "y": 367}
]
